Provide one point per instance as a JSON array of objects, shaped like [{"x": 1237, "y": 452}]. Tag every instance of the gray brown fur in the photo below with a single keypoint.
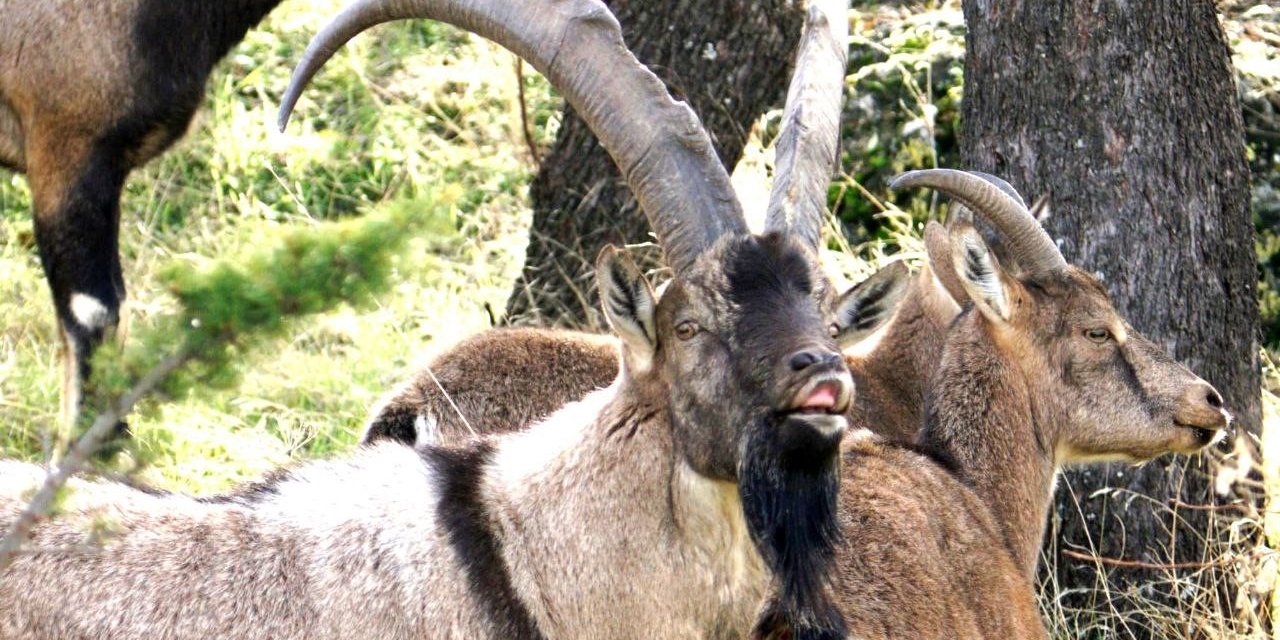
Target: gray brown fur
[
  {"x": 527, "y": 374},
  {"x": 89, "y": 91},
  {"x": 635, "y": 485}
]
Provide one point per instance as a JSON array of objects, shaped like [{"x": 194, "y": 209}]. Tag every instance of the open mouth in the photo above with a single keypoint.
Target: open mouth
[
  {"x": 823, "y": 395},
  {"x": 1204, "y": 436}
]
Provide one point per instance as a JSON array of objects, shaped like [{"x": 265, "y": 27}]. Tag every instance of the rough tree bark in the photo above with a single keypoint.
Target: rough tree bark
[
  {"x": 730, "y": 59},
  {"x": 1126, "y": 115}
]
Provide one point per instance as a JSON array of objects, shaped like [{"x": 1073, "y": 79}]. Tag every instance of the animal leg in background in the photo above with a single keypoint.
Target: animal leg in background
[{"x": 76, "y": 185}]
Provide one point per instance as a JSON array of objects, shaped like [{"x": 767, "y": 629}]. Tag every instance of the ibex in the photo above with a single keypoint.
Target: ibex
[
  {"x": 663, "y": 506},
  {"x": 89, "y": 91},
  {"x": 506, "y": 379},
  {"x": 1038, "y": 372}
]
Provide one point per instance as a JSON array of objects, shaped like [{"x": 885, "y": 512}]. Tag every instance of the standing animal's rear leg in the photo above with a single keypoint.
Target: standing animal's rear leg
[{"x": 76, "y": 187}]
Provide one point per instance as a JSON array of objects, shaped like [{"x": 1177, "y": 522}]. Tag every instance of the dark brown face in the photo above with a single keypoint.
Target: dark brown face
[
  {"x": 759, "y": 396},
  {"x": 747, "y": 336},
  {"x": 1120, "y": 396}
]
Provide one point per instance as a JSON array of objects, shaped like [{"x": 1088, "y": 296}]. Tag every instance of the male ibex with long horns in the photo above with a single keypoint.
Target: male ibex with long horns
[{"x": 663, "y": 506}]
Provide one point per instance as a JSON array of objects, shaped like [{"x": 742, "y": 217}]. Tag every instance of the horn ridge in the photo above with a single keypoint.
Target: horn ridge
[
  {"x": 808, "y": 145},
  {"x": 1031, "y": 247}
]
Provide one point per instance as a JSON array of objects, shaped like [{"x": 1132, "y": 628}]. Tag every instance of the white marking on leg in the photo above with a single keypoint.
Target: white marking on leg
[{"x": 88, "y": 311}]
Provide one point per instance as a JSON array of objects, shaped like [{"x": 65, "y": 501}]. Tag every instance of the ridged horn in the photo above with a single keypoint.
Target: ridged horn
[
  {"x": 658, "y": 143},
  {"x": 1027, "y": 242},
  {"x": 808, "y": 145}
]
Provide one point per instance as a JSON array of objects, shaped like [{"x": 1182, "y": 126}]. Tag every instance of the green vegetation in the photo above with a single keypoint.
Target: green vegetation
[
  {"x": 415, "y": 122},
  {"x": 393, "y": 210}
]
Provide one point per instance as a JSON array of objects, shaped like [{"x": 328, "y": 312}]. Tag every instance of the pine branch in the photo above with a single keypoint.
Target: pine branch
[{"x": 80, "y": 454}]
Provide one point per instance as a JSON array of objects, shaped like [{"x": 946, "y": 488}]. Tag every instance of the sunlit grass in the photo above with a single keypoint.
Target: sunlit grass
[{"x": 413, "y": 114}]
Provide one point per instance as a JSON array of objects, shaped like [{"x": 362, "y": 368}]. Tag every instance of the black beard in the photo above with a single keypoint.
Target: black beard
[{"x": 789, "y": 483}]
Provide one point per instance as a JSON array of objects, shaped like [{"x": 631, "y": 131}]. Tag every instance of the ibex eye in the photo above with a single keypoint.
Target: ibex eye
[
  {"x": 687, "y": 329},
  {"x": 1097, "y": 335},
  {"x": 834, "y": 330}
]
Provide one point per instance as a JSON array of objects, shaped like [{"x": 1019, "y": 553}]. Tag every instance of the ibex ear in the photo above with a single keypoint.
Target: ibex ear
[
  {"x": 628, "y": 303},
  {"x": 867, "y": 306},
  {"x": 980, "y": 274},
  {"x": 937, "y": 245}
]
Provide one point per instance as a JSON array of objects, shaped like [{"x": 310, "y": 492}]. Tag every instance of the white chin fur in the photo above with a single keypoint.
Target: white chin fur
[{"x": 1218, "y": 437}]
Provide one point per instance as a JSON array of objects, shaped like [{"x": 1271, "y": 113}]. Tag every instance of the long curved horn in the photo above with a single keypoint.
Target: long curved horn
[
  {"x": 658, "y": 143},
  {"x": 1028, "y": 243},
  {"x": 809, "y": 141}
]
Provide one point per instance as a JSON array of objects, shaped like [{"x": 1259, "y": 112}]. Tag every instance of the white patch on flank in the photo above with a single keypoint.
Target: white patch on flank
[
  {"x": 88, "y": 311},
  {"x": 386, "y": 486},
  {"x": 528, "y": 452}
]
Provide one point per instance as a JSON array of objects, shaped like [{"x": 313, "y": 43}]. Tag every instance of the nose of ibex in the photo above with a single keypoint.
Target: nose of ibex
[
  {"x": 803, "y": 359},
  {"x": 1201, "y": 406}
]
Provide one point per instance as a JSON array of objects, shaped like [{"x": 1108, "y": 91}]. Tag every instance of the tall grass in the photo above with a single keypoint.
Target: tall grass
[{"x": 413, "y": 114}]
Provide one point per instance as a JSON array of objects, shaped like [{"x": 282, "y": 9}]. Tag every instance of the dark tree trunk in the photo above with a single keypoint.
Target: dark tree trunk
[
  {"x": 730, "y": 59},
  {"x": 1126, "y": 115}
]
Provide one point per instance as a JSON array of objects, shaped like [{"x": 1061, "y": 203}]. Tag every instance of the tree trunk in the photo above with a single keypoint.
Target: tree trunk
[
  {"x": 730, "y": 59},
  {"x": 1126, "y": 115}
]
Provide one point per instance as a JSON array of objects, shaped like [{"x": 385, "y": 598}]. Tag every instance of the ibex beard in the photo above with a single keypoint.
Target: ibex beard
[{"x": 787, "y": 463}]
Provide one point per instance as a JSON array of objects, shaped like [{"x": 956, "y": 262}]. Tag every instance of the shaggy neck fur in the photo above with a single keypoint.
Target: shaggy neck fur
[
  {"x": 607, "y": 533},
  {"x": 789, "y": 492},
  {"x": 984, "y": 417}
]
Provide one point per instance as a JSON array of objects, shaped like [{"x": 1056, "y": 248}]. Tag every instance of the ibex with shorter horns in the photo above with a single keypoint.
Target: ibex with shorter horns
[
  {"x": 89, "y": 91},
  {"x": 1038, "y": 372},
  {"x": 663, "y": 506}
]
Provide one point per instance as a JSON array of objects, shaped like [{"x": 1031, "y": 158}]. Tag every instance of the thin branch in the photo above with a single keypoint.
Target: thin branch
[
  {"x": 79, "y": 456},
  {"x": 1138, "y": 564},
  {"x": 524, "y": 116},
  {"x": 1175, "y": 502}
]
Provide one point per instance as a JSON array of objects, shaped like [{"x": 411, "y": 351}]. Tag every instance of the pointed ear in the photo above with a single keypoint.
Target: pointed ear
[
  {"x": 867, "y": 306},
  {"x": 985, "y": 282},
  {"x": 937, "y": 245},
  {"x": 629, "y": 305}
]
